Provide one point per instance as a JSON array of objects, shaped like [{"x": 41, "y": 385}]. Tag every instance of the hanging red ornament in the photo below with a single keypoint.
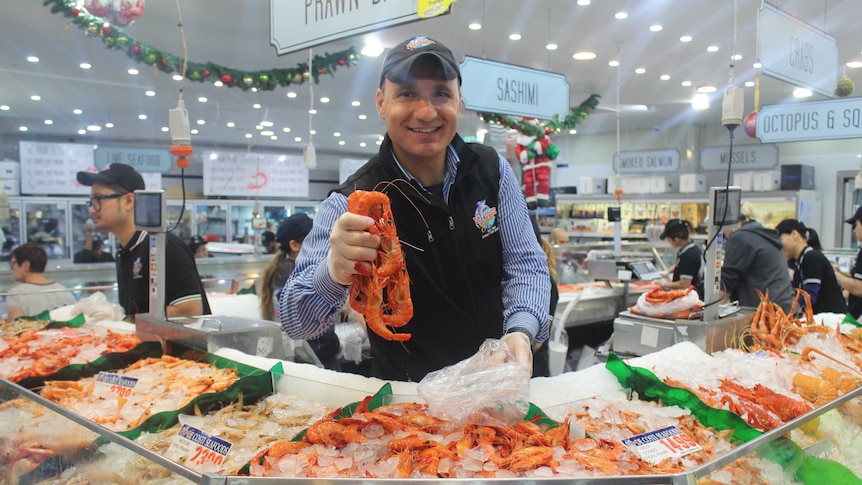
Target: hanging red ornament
[
  {"x": 320, "y": 70},
  {"x": 136, "y": 49},
  {"x": 206, "y": 73},
  {"x": 226, "y": 78},
  {"x": 106, "y": 29},
  {"x": 164, "y": 62},
  {"x": 342, "y": 62},
  {"x": 749, "y": 124},
  {"x": 75, "y": 12},
  {"x": 121, "y": 13}
]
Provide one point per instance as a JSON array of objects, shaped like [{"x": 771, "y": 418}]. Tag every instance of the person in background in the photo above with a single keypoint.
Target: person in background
[
  {"x": 476, "y": 270},
  {"x": 754, "y": 260},
  {"x": 812, "y": 272},
  {"x": 540, "y": 351},
  {"x": 852, "y": 282},
  {"x": 198, "y": 247},
  {"x": 93, "y": 251},
  {"x": 35, "y": 293},
  {"x": 112, "y": 207},
  {"x": 559, "y": 236},
  {"x": 688, "y": 270},
  {"x": 291, "y": 233},
  {"x": 268, "y": 242}
]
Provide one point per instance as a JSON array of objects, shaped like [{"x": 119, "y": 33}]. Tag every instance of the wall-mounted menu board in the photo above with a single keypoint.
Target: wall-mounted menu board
[
  {"x": 50, "y": 168},
  {"x": 253, "y": 174}
]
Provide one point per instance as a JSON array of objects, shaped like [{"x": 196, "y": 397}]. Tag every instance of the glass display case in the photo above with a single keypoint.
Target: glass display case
[
  {"x": 242, "y": 222},
  {"x": 80, "y": 215},
  {"x": 183, "y": 228},
  {"x": 211, "y": 221},
  {"x": 10, "y": 224},
  {"x": 46, "y": 224}
]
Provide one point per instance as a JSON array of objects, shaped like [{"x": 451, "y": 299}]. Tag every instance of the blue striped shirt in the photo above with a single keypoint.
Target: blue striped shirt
[{"x": 313, "y": 300}]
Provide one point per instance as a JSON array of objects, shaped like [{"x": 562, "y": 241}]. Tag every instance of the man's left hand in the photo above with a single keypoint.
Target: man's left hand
[{"x": 519, "y": 346}]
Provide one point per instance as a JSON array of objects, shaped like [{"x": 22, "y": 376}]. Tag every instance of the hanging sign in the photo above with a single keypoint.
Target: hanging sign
[
  {"x": 296, "y": 25},
  {"x": 513, "y": 90},
  {"x": 815, "y": 120},
  {"x": 142, "y": 159},
  {"x": 647, "y": 161},
  {"x": 797, "y": 52},
  {"x": 248, "y": 174},
  {"x": 745, "y": 157}
]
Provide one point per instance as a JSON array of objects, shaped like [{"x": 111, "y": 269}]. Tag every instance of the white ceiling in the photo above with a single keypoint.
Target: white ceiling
[{"x": 236, "y": 34}]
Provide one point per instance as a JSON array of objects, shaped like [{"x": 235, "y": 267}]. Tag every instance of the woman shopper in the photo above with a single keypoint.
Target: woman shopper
[
  {"x": 35, "y": 293},
  {"x": 812, "y": 272}
]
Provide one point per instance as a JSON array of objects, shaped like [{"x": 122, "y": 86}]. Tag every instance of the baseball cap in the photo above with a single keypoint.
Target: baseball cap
[
  {"x": 293, "y": 228},
  {"x": 856, "y": 217},
  {"x": 114, "y": 174},
  {"x": 673, "y": 227},
  {"x": 195, "y": 242},
  {"x": 97, "y": 242},
  {"x": 267, "y": 238},
  {"x": 789, "y": 225},
  {"x": 400, "y": 60}
]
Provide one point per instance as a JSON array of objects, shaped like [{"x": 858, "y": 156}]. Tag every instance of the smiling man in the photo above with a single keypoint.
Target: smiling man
[{"x": 476, "y": 269}]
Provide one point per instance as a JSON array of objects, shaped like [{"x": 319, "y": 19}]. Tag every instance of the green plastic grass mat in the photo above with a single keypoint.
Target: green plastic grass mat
[
  {"x": 75, "y": 322},
  {"x": 782, "y": 451}
]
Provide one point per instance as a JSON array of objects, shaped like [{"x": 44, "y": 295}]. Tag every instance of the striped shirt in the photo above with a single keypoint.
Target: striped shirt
[{"x": 313, "y": 300}]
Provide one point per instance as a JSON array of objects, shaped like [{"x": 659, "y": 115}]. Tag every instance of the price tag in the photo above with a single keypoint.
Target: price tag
[
  {"x": 655, "y": 446},
  {"x": 115, "y": 384},
  {"x": 198, "y": 449}
]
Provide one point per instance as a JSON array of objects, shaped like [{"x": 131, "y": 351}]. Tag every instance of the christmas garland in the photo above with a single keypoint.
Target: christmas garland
[
  {"x": 547, "y": 127},
  {"x": 115, "y": 38}
]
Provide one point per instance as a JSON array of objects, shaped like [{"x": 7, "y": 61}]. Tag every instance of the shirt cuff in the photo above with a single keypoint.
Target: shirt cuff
[
  {"x": 523, "y": 322},
  {"x": 328, "y": 289}
]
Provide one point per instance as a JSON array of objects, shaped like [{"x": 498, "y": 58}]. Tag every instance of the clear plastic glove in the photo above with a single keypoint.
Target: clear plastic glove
[{"x": 520, "y": 349}]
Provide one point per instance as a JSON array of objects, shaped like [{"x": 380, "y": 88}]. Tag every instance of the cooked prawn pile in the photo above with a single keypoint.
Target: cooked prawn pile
[
  {"x": 19, "y": 325},
  {"x": 44, "y": 352},
  {"x": 163, "y": 384}
]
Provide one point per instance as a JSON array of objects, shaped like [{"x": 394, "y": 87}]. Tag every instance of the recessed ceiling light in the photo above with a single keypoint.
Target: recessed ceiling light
[
  {"x": 372, "y": 50},
  {"x": 664, "y": 77},
  {"x": 854, "y": 64},
  {"x": 573, "y": 132},
  {"x": 712, "y": 48},
  {"x": 150, "y": 93},
  {"x": 109, "y": 125},
  {"x": 736, "y": 57},
  {"x": 94, "y": 128},
  {"x": 194, "y": 131},
  {"x": 49, "y": 122},
  {"x": 686, "y": 83},
  {"x": 614, "y": 63},
  {"x": 312, "y": 132},
  {"x": 312, "y": 111},
  {"x": 256, "y": 106},
  {"x": 218, "y": 84},
  {"x": 355, "y": 103},
  {"x": 380, "y": 138},
  {"x": 336, "y": 134},
  {"x": 341, "y": 142},
  {"x": 362, "y": 117},
  {"x": 297, "y": 139},
  {"x": 514, "y": 36},
  {"x": 802, "y": 93},
  {"x": 324, "y": 99},
  {"x": 621, "y": 15},
  {"x": 254, "y": 90},
  {"x": 286, "y": 129},
  {"x": 291, "y": 94},
  {"x": 700, "y": 101},
  {"x": 379, "y": 142},
  {"x": 142, "y": 117},
  {"x": 248, "y": 135},
  {"x": 757, "y": 65},
  {"x": 201, "y": 122},
  {"x": 266, "y": 123},
  {"x": 202, "y": 99},
  {"x": 584, "y": 56},
  {"x": 640, "y": 70},
  {"x": 258, "y": 127},
  {"x": 475, "y": 26},
  {"x": 177, "y": 77},
  {"x": 133, "y": 71},
  {"x": 36, "y": 97},
  {"x": 165, "y": 129},
  {"x": 273, "y": 137},
  {"x": 749, "y": 84},
  {"x": 685, "y": 38},
  {"x": 4, "y": 107},
  {"x": 706, "y": 89},
  {"x": 85, "y": 65},
  {"x": 267, "y": 133},
  {"x": 655, "y": 28},
  {"x": 82, "y": 132},
  {"x": 77, "y": 111},
  {"x": 231, "y": 124},
  {"x": 583, "y": 3},
  {"x": 551, "y": 46},
  {"x": 32, "y": 59},
  {"x": 362, "y": 144}
]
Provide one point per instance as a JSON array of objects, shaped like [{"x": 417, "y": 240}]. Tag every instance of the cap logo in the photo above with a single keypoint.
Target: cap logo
[{"x": 419, "y": 42}]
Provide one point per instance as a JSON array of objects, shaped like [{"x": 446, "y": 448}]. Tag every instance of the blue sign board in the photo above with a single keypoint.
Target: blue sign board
[
  {"x": 142, "y": 159},
  {"x": 513, "y": 90}
]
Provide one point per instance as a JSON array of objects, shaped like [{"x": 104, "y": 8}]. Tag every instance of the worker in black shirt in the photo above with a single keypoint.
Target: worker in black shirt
[
  {"x": 852, "y": 282},
  {"x": 688, "y": 270},
  {"x": 812, "y": 272}
]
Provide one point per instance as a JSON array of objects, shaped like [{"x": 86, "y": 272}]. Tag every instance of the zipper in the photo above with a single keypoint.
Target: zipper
[{"x": 451, "y": 223}]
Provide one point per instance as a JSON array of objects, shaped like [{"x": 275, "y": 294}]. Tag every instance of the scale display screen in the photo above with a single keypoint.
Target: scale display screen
[
  {"x": 150, "y": 210},
  {"x": 726, "y": 206},
  {"x": 645, "y": 270}
]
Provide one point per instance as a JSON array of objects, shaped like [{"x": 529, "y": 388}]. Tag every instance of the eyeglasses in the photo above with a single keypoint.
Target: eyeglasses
[{"x": 96, "y": 201}]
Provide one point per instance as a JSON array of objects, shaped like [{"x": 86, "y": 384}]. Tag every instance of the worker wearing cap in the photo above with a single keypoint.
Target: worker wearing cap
[
  {"x": 112, "y": 207},
  {"x": 476, "y": 269},
  {"x": 852, "y": 282},
  {"x": 198, "y": 247},
  {"x": 688, "y": 270},
  {"x": 92, "y": 251}
]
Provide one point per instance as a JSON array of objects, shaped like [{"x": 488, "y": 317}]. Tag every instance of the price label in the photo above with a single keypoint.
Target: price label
[
  {"x": 655, "y": 446},
  {"x": 198, "y": 449},
  {"x": 115, "y": 384}
]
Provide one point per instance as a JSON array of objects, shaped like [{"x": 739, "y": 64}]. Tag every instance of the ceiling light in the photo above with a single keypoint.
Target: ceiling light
[
  {"x": 291, "y": 94},
  {"x": 282, "y": 158},
  {"x": 194, "y": 131},
  {"x": 372, "y": 50},
  {"x": 336, "y": 134},
  {"x": 267, "y": 133},
  {"x": 94, "y": 128},
  {"x": 362, "y": 144},
  {"x": 712, "y": 48},
  {"x": 379, "y": 142},
  {"x": 854, "y": 64},
  {"x": 749, "y": 84},
  {"x": 380, "y": 138},
  {"x": 312, "y": 132},
  {"x": 700, "y": 101},
  {"x": 202, "y": 99},
  {"x": 266, "y": 123},
  {"x": 655, "y": 28},
  {"x": 573, "y": 132},
  {"x": 231, "y": 124},
  {"x": 258, "y": 127},
  {"x": 32, "y": 59},
  {"x": 177, "y": 77},
  {"x": 218, "y": 84},
  {"x": 686, "y": 83},
  {"x": 341, "y": 142},
  {"x": 312, "y": 111},
  {"x": 614, "y": 63},
  {"x": 551, "y": 46},
  {"x": 248, "y": 135},
  {"x": 36, "y": 97},
  {"x": 165, "y": 129},
  {"x": 150, "y": 93},
  {"x": 584, "y": 56},
  {"x": 49, "y": 122},
  {"x": 355, "y": 103},
  {"x": 324, "y": 99},
  {"x": 736, "y": 57},
  {"x": 77, "y": 111},
  {"x": 142, "y": 117},
  {"x": 213, "y": 156},
  {"x": 362, "y": 117},
  {"x": 298, "y": 139},
  {"x": 273, "y": 137},
  {"x": 640, "y": 70},
  {"x": 685, "y": 38},
  {"x": 256, "y": 106},
  {"x": 757, "y": 65},
  {"x": 706, "y": 89},
  {"x": 254, "y": 90},
  {"x": 85, "y": 65},
  {"x": 802, "y": 93},
  {"x": 82, "y": 132},
  {"x": 286, "y": 129},
  {"x": 475, "y": 26},
  {"x": 514, "y": 36},
  {"x": 583, "y": 3},
  {"x": 133, "y": 71},
  {"x": 664, "y": 77},
  {"x": 201, "y": 122},
  {"x": 621, "y": 15},
  {"x": 4, "y": 107}
]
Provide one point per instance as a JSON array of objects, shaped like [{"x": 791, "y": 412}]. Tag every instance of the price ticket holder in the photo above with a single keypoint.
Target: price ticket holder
[{"x": 151, "y": 216}]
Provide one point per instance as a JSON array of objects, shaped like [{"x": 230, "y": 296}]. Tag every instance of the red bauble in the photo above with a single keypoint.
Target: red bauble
[
  {"x": 342, "y": 62},
  {"x": 75, "y": 12},
  {"x": 320, "y": 70},
  {"x": 164, "y": 62},
  {"x": 106, "y": 29},
  {"x": 206, "y": 73},
  {"x": 226, "y": 78},
  {"x": 136, "y": 49},
  {"x": 547, "y": 130},
  {"x": 749, "y": 124}
]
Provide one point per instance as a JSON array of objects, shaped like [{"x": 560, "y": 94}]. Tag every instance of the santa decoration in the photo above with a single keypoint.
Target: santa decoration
[
  {"x": 535, "y": 154},
  {"x": 121, "y": 13}
]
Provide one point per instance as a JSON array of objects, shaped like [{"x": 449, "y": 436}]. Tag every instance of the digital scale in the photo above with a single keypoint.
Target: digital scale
[{"x": 623, "y": 269}]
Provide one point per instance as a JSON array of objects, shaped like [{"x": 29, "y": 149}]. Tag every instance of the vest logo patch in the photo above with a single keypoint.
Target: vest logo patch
[
  {"x": 485, "y": 218},
  {"x": 137, "y": 266}
]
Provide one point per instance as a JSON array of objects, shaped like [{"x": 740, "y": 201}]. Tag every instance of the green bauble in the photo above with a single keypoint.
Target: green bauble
[
  {"x": 151, "y": 58},
  {"x": 122, "y": 40},
  {"x": 264, "y": 78},
  {"x": 93, "y": 29},
  {"x": 845, "y": 87},
  {"x": 194, "y": 75},
  {"x": 109, "y": 41}
]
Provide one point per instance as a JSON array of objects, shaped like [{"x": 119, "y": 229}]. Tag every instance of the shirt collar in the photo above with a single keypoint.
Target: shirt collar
[
  {"x": 137, "y": 239},
  {"x": 452, "y": 162}
]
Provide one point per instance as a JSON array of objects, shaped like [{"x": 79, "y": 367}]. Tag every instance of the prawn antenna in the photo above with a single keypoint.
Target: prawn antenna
[{"x": 392, "y": 183}]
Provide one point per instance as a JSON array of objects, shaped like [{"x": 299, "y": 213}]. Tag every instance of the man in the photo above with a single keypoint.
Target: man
[
  {"x": 852, "y": 281},
  {"x": 111, "y": 205},
  {"x": 92, "y": 252},
  {"x": 268, "y": 242},
  {"x": 476, "y": 270},
  {"x": 198, "y": 247},
  {"x": 559, "y": 236}
]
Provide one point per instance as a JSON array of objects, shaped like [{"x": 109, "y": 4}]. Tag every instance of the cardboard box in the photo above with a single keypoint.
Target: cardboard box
[
  {"x": 690, "y": 183},
  {"x": 767, "y": 181},
  {"x": 592, "y": 185},
  {"x": 663, "y": 184},
  {"x": 745, "y": 180},
  {"x": 613, "y": 184},
  {"x": 10, "y": 187},
  {"x": 10, "y": 170},
  {"x": 796, "y": 177}
]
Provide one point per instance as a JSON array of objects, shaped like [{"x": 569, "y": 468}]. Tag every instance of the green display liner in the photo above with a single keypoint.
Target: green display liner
[
  {"x": 807, "y": 469},
  {"x": 75, "y": 322}
]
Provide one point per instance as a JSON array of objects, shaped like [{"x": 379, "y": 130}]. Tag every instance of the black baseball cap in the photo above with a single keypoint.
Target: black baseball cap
[
  {"x": 267, "y": 238},
  {"x": 673, "y": 227},
  {"x": 789, "y": 225},
  {"x": 114, "y": 174},
  {"x": 293, "y": 228},
  {"x": 195, "y": 242},
  {"x": 400, "y": 60},
  {"x": 97, "y": 242},
  {"x": 856, "y": 217}
]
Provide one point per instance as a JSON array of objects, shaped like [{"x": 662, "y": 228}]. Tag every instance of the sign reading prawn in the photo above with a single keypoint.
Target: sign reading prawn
[
  {"x": 241, "y": 174},
  {"x": 506, "y": 88}
]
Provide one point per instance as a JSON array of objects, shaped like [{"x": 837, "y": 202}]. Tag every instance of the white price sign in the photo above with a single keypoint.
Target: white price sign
[
  {"x": 115, "y": 384},
  {"x": 198, "y": 449},
  {"x": 658, "y": 445}
]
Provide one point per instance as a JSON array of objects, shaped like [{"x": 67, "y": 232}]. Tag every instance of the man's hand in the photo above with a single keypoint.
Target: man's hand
[
  {"x": 350, "y": 242},
  {"x": 520, "y": 348},
  {"x": 89, "y": 227}
]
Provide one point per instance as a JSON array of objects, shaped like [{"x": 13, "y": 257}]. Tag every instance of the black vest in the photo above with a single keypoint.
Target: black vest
[{"x": 455, "y": 263}]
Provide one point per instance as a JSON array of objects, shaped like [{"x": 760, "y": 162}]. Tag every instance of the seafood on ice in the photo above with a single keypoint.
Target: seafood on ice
[{"x": 669, "y": 304}]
